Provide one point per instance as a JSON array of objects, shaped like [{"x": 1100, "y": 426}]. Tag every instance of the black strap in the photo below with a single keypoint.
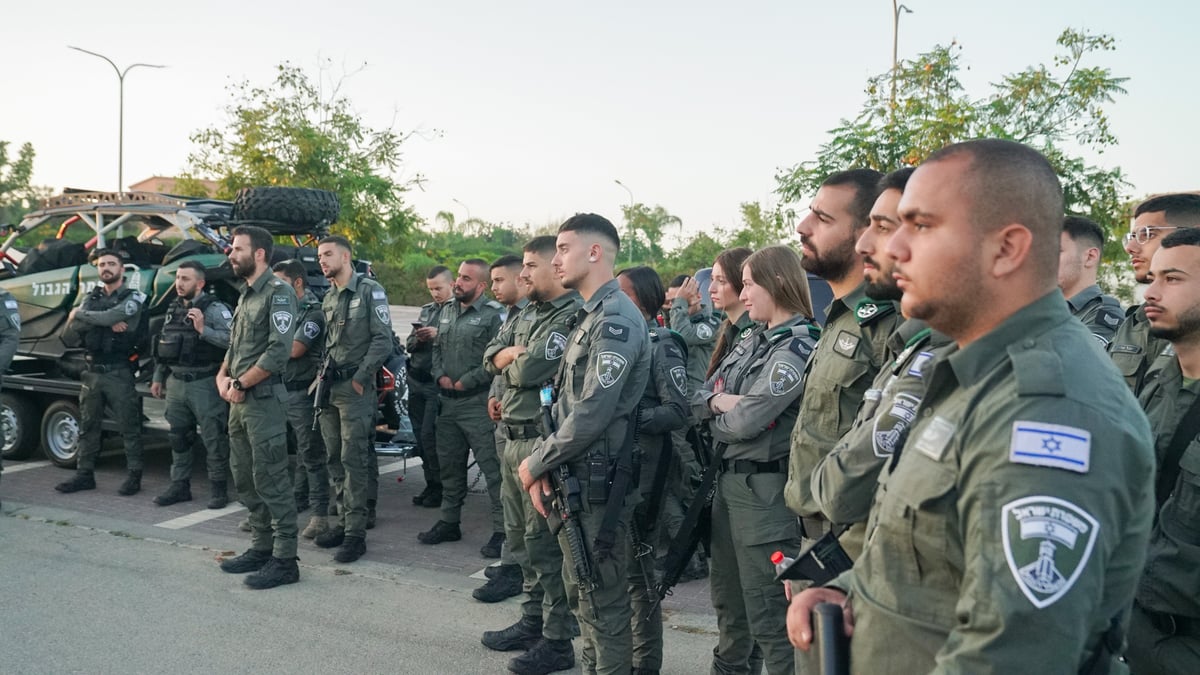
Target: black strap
[
  {"x": 657, "y": 491},
  {"x": 1185, "y": 433},
  {"x": 688, "y": 537},
  {"x": 606, "y": 536}
]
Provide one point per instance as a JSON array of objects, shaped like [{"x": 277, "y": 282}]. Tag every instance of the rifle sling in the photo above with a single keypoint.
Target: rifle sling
[
  {"x": 606, "y": 537},
  {"x": 657, "y": 491},
  {"x": 684, "y": 544},
  {"x": 1185, "y": 433}
]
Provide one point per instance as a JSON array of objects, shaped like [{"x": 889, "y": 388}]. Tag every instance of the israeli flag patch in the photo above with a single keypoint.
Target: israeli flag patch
[
  {"x": 1052, "y": 445},
  {"x": 918, "y": 363}
]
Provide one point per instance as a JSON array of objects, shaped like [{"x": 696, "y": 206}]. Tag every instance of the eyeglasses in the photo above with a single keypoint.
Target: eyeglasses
[{"x": 1145, "y": 234}]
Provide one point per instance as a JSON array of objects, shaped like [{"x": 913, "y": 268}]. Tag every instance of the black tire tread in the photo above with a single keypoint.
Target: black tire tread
[{"x": 299, "y": 206}]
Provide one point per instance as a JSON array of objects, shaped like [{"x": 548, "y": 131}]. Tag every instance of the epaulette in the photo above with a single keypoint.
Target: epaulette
[
  {"x": 1039, "y": 372},
  {"x": 805, "y": 336},
  {"x": 1109, "y": 318},
  {"x": 494, "y": 305},
  {"x": 868, "y": 310},
  {"x": 678, "y": 340},
  {"x": 919, "y": 336},
  {"x": 611, "y": 304}
]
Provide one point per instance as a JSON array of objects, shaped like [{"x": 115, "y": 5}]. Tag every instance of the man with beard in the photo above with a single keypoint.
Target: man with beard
[
  {"x": 250, "y": 381},
  {"x": 1164, "y": 633},
  {"x": 604, "y": 369},
  {"x": 110, "y": 323},
  {"x": 188, "y": 352},
  {"x": 358, "y": 339},
  {"x": 1008, "y": 532},
  {"x": 1133, "y": 348},
  {"x": 843, "y": 482},
  {"x": 1078, "y": 263},
  {"x": 422, "y": 392},
  {"x": 465, "y": 328},
  {"x": 527, "y": 357},
  {"x": 854, "y": 341}
]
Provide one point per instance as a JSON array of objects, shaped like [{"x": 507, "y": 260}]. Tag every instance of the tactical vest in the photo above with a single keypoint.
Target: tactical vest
[
  {"x": 102, "y": 343},
  {"x": 179, "y": 344}
]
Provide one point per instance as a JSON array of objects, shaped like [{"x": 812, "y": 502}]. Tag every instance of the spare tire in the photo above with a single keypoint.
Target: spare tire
[{"x": 299, "y": 206}]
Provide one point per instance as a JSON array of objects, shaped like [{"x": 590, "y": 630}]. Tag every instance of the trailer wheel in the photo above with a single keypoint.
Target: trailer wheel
[
  {"x": 19, "y": 417},
  {"x": 60, "y": 433}
]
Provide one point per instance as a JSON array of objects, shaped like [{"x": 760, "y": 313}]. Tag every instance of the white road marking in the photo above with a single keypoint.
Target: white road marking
[
  {"x": 25, "y": 466},
  {"x": 199, "y": 517}
]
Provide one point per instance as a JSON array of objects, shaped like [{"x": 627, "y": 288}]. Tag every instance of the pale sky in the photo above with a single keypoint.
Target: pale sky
[{"x": 541, "y": 105}]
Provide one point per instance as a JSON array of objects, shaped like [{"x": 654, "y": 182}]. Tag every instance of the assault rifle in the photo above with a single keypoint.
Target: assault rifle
[{"x": 320, "y": 390}]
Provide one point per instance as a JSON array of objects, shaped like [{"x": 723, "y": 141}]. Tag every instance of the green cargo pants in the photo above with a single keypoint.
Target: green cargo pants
[
  {"x": 310, "y": 450},
  {"x": 197, "y": 403},
  {"x": 348, "y": 427},
  {"x": 258, "y": 457},
  {"x": 463, "y": 424},
  {"x": 111, "y": 386}
]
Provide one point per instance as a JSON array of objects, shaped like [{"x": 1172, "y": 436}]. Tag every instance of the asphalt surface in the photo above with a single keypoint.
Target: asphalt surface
[{"x": 95, "y": 582}]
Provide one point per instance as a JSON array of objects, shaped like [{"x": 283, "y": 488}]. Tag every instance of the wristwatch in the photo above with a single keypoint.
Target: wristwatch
[{"x": 236, "y": 384}]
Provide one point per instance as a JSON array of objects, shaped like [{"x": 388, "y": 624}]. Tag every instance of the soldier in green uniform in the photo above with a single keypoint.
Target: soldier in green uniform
[
  {"x": 308, "y": 347},
  {"x": 264, "y": 323},
  {"x": 110, "y": 322},
  {"x": 843, "y": 482},
  {"x": 1133, "y": 349},
  {"x": 422, "y": 392},
  {"x": 854, "y": 341},
  {"x": 1009, "y": 530},
  {"x": 527, "y": 357},
  {"x": 187, "y": 353},
  {"x": 751, "y": 402},
  {"x": 1078, "y": 263},
  {"x": 662, "y": 412},
  {"x": 358, "y": 338},
  {"x": 465, "y": 327},
  {"x": 10, "y": 339},
  {"x": 1164, "y": 632},
  {"x": 725, "y": 292},
  {"x": 603, "y": 373}
]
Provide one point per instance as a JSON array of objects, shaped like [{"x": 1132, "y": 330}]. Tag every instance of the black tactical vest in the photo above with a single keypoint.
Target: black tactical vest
[
  {"x": 179, "y": 344},
  {"x": 102, "y": 343}
]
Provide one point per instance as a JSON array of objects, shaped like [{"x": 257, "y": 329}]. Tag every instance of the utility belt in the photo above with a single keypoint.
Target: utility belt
[
  {"x": 109, "y": 366},
  {"x": 192, "y": 376},
  {"x": 520, "y": 432},
  {"x": 750, "y": 466},
  {"x": 298, "y": 385},
  {"x": 340, "y": 374},
  {"x": 269, "y": 382},
  {"x": 423, "y": 378},
  {"x": 1172, "y": 624},
  {"x": 455, "y": 394}
]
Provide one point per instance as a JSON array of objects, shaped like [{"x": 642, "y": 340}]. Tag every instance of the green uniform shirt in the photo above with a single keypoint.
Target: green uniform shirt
[
  {"x": 766, "y": 369},
  {"x": 10, "y": 329},
  {"x": 1099, "y": 312},
  {"x": 699, "y": 333},
  {"x": 542, "y": 329},
  {"x": 1171, "y": 583},
  {"x": 463, "y": 334},
  {"x": 496, "y": 390},
  {"x": 1011, "y": 527},
  {"x": 601, "y": 378},
  {"x": 1133, "y": 349},
  {"x": 310, "y": 332},
  {"x": 358, "y": 327},
  {"x": 852, "y": 349},
  {"x": 420, "y": 354},
  {"x": 263, "y": 324}
]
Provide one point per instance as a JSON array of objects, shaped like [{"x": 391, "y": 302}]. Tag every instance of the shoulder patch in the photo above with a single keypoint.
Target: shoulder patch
[
  {"x": 1047, "y": 543},
  {"x": 801, "y": 348},
  {"x": 892, "y": 427},
  {"x": 279, "y": 300},
  {"x": 1052, "y": 445},
  {"x": 610, "y": 366},
  {"x": 226, "y": 314},
  {"x": 378, "y": 294},
  {"x": 918, "y": 363},
  {"x": 868, "y": 310},
  {"x": 679, "y": 379},
  {"x": 282, "y": 321},
  {"x": 556, "y": 345},
  {"x": 784, "y": 378},
  {"x": 131, "y": 307},
  {"x": 704, "y": 331},
  {"x": 311, "y": 329},
  {"x": 613, "y": 331},
  {"x": 1107, "y": 317},
  {"x": 381, "y": 312},
  {"x": 846, "y": 343},
  {"x": 495, "y": 305}
]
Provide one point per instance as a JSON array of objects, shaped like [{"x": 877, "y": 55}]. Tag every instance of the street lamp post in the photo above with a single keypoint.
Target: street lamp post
[
  {"x": 628, "y": 218},
  {"x": 896, "y": 9},
  {"x": 121, "y": 111},
  {"x": 467, "y": 209}
]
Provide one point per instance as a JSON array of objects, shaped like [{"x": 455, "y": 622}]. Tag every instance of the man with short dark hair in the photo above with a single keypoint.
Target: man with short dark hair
[
  {"x": 110, "y": 322},
  {"x": 422, "y": 392},
  {"x": 1008, "y": 532},
  {"x": 188, "y": 352},
  {"x": 1133, "y": 349},
  {"x": 604, "y": 370},
  {"x": 1078, "y": 264},
  {"x": 358, "y": 339},
  {"x": 1164, "y": 633},
  {"x": 465, "y": 327},
  {"x": 311, "y": 482},
  {"x": 250, "y": 381}
]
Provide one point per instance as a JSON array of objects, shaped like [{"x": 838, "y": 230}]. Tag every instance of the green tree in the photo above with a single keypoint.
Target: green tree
[
  {"x": 294, "y": 132},
  {"x": 648, "y": 226},
  {"x": 1058, "y": 109},
  {"x": 17, "y": 196},
  {"x": 761, "y": 227}
]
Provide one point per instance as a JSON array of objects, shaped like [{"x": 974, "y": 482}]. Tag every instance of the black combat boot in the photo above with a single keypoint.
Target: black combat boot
[
  {"x": 492, "y": 548},
  {"x": 83, "y": 480},
  {"x": 370, "y": 514},
  {"x": 433, "y": 498},
  {"x": 219, "y": 494},
  {"x": 441, "y": 531},
  {"x": 276, "y": 572},
  {"x": 132, "y": 484},
  {"x": 503, "y": 584},
  {"x": 352, "y": 549},
  {"x": 180, "y": 491},
  {"x": 547, "y": 656},
  {"x": 521, "y": 635},
  {"x": 250, "y": 561},
  {"x": 331, "y": 539}
]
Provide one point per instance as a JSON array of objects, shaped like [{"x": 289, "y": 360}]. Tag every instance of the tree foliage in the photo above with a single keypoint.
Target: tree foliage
[
  {"x": 16, "y": 193},
  {"x": 294, "y": 132},
  {"x": 1059, "y": 109}
]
